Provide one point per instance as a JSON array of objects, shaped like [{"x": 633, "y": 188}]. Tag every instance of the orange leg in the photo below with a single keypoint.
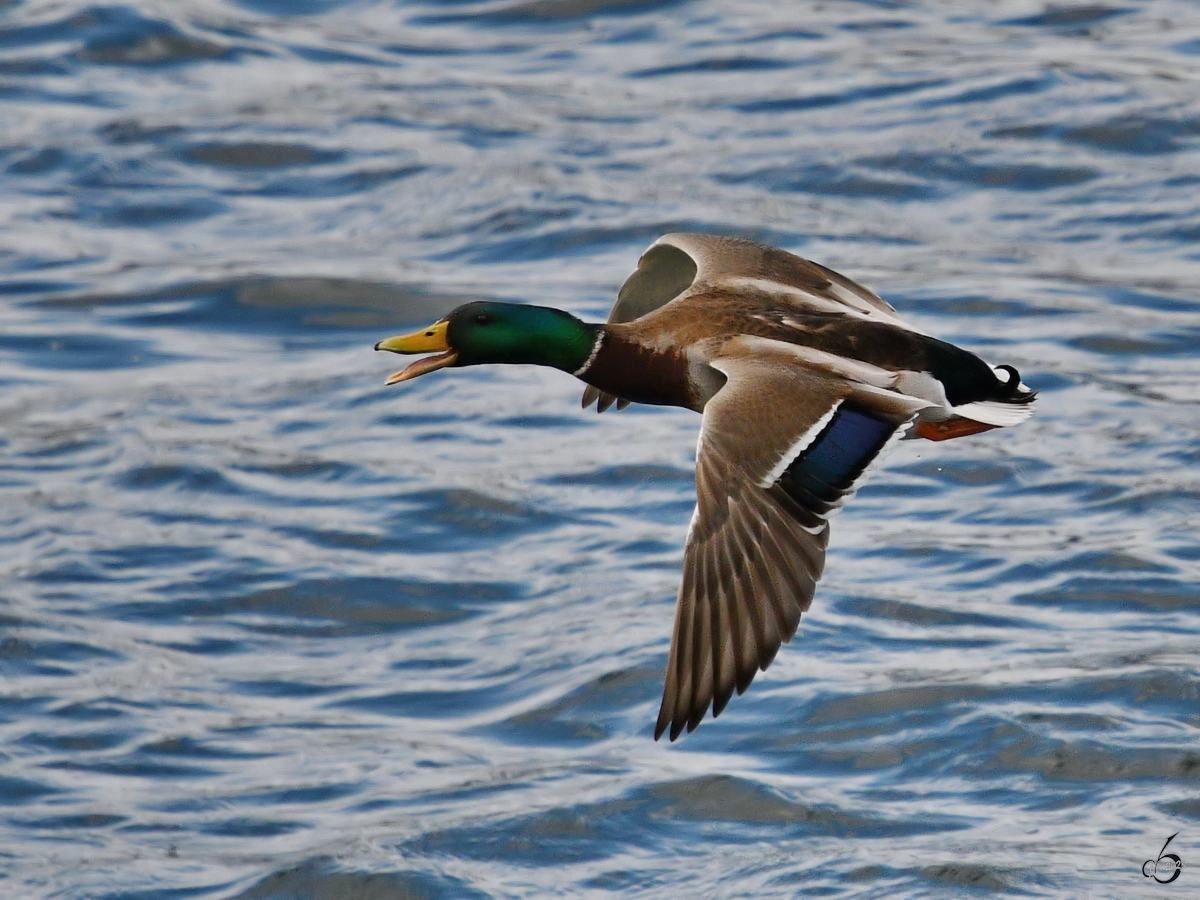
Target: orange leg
[{"x": 952, "y": 428}]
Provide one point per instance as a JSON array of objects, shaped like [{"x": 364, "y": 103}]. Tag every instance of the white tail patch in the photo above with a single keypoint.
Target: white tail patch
[{"x": 995, "y": 412}]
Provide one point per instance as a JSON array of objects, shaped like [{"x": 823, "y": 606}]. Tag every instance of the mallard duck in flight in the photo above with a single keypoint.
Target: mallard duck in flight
[{"x": 802, "y": 377}]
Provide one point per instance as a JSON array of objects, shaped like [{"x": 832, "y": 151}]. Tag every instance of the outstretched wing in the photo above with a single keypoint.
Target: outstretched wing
[
  {"x": 780, "y": 448},
  {"x": 723, "y": 260},
  {"x": 677, "y": 262}
]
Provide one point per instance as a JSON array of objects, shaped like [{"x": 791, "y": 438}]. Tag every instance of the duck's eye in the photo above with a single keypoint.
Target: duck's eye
[{"x": 482, "y": 318}]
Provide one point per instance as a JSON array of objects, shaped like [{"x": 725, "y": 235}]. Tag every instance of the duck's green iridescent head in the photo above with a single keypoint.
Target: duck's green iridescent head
[{"x": 485, "y": 332}]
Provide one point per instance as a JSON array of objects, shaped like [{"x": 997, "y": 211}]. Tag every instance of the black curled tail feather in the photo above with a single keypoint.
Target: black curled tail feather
[
  {"x": 1012, "y": 391},
  {"x": 968, "y": 379}
]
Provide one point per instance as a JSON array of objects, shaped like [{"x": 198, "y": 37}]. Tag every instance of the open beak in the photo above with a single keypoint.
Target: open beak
[{"x": 427, "y": 340}]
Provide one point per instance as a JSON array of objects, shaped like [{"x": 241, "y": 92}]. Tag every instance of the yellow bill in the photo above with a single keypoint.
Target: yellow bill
[{"x": 427, "y": 340}]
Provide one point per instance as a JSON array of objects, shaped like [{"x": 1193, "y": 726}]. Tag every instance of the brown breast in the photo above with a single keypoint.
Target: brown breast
[{"x": 633, "y": 371}]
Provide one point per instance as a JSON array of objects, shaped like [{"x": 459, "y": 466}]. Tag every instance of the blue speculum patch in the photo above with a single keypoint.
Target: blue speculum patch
[{"x": 831, "y": 464}]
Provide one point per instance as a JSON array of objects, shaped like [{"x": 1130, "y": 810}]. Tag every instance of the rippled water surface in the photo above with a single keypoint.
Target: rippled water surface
[{"x": 269, "y": 629}]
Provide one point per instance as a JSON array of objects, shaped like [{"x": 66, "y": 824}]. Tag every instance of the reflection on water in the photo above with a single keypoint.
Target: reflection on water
[{"x": 269, "y": 629}]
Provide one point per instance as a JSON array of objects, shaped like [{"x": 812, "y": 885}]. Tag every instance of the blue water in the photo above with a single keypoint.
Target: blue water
[{"x": 269, "y": 629}]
